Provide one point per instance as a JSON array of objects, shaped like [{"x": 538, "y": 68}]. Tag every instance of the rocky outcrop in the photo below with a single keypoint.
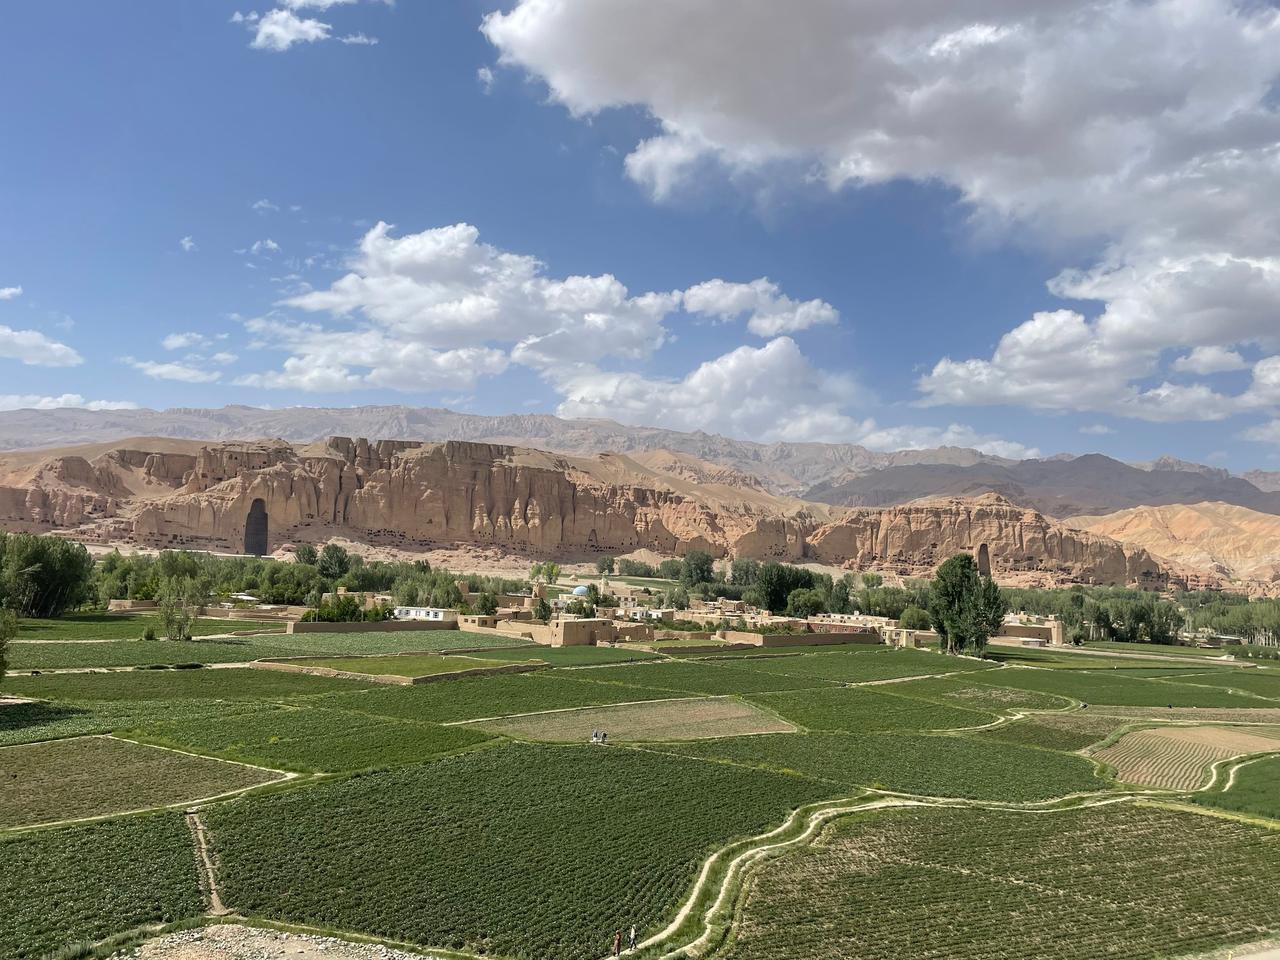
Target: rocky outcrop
[
  {"x": 419, "y": 496},
  {"x": 919, "y": 535}
]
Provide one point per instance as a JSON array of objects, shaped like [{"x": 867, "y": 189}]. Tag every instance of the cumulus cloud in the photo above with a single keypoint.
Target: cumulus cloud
[
  {"x": 281, "y": 29},
  {"x": 1044, "y": 119},
  {"x": 33, "y": 401},
  {"x": 184, "y": 341},
  {"x": 263, "y": 247},
  {"x": 1208, "y": 360},
  {"x": 771, "y": 311},
  {"x": 188, "y": 245},
  {"x": 10, "y": 293},
  {"x": 485, "y": 76},
  {"x": 35, "y": 349},
  {"x": 182, "y": 372},
  {"x": 955, "y": 435},
  {"x": 264, "y": 206},
  {"x": 768, "y": 393}
]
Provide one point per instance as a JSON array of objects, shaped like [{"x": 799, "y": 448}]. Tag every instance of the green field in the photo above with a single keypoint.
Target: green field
[
  {"x": 95, "y": 776},
  {"x": 473, "y": 814},
  {"x": 411, "y": 664},
  {"x": 986, "y": 885},
  {"x": 128, "y": 626},
  {"x": 1255, "y": 790},
  {"x": 574, "y": 855},
  {"x": 81, "y": 884}
]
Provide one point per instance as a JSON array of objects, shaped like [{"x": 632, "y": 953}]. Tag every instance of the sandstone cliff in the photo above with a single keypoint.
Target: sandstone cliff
[{"x": 419, "y": 496}]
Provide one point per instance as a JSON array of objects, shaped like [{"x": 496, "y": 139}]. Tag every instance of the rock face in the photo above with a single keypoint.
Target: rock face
[
  {"x": 420, "y": 496},
  {"x": 917, "y": 536}
]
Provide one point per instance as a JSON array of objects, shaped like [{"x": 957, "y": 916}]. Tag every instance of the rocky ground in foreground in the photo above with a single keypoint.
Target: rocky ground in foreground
[{"x": 235, "y": 942}]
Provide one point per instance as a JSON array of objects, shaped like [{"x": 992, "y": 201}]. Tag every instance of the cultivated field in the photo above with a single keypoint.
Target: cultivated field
[
  {"x": 95, "y": 776},
  {"x": 986, "y": 885},
  {"x": 411, "y": 664},
  {"x": 1178, "y": 758},
  {"x": 664, "y": 720},
  {"x": 473, "y": 815}
]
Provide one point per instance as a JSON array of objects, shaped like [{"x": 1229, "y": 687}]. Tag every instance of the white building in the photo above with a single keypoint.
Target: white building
[{"x": 439, "y": 614}]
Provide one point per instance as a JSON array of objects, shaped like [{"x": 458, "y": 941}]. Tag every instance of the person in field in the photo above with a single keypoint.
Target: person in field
[{"x": 617, "y": 943}]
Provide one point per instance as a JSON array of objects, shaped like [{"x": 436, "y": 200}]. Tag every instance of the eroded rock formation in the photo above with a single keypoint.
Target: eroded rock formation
[{"x": 423, "y": 495}]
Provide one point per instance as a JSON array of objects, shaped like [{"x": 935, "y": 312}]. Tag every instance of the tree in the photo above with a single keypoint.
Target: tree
[
  {"x": 744, "y": 571},
  {"x": 307, "y": 554},
  {"x": 604, "y": 566},
  {"x": 542, "y": 610},
  {"x": 487, "y": 604},
  {"x": 177, "y": 608},
  {"x": 43, "y": 576},
  {"x": 964, "y": 607},
  {"x": 915, "y": 618},
  {"x": 8, "y": 630},
  {"x": 334, "y": 562},
  {"x": 776, "y": 581},
  {"x": 872, "y": 580},
  {"x": 805, "y": 602},
  {"x": 679, "y": 597},
  {"x": 670, "y": 569},
  {"x": 698, "y": 567}
]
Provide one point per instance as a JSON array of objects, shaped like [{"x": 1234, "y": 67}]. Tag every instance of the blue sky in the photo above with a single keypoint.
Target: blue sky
[{"x": 671, "y": 221}]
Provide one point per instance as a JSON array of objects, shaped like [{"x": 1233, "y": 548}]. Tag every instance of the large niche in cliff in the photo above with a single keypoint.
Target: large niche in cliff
[{"x": 255, "y": 529}]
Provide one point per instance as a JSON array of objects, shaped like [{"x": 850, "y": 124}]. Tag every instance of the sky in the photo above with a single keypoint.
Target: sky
[{"x": 1029, "y": 228}]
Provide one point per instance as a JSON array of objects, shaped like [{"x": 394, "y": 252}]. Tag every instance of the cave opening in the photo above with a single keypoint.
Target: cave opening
[{"x": 255, "y": 529}]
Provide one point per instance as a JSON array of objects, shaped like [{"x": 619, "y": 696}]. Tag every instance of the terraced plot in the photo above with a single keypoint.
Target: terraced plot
[
  {"x": 1056, "y": 731},
  {"x": 665, "y": 720},
  {"x": 864, "y": 666},
  {"x": 962, "y": 692},
  {"x": 1178, "y": 758},
  {"x": 521, "y": 851},
  {"x": 1118, "y": 881},
  {"x": 221, "y": 684},
  {"x": 410, "y": 664},
  {"x": 81, "y": 884},
  {"x": 1255, "y": 789},
  {"x": 941, "y": 766},
  {"x": 96, "y": 776},
  {"x": 710, "y": 677},
  {"x": 1117, "y": 689},
  {"x": 129, "y": 653},
  {"x": 114, "y": 626},
  {"x": 309, "y": 739},
  {"x": 868, "y": 709}
]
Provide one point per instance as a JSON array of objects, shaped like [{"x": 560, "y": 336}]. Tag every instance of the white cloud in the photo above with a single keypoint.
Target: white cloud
[
  {"x": 772, "y": 312},
  {"x": 184, "y": 341},
  {"x": 35, "y": 349},
  {"x": 264, "y": 206},
  {"x": 182, "y": 372},
  {"x": 10, "y": 293},
  {"x": 1046, "y": 120},
  {"x": 32, "y": 401},
  {"x": 250, "y": 17},
  {"x": 315, "y": 4},
  {"x": 222, "y": 358},
  {"x": 1207, "y": 360},
  {"x": 359, "y": 39},
  {"x": 188, "y": 245},
  {"x": 1097, "y": 430},
  {"x": 486, "y": 78},
  {"x": 280, "y": 29},
  {"x": 955, "y": 435},
  {"x": 767, "y": 393},
  {"x": 261, "y": 247},
  {"x": 1263, "y": 433}
]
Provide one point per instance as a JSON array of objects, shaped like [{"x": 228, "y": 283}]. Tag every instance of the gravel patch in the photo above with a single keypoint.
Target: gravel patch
[{"x": 235, "y": 942}]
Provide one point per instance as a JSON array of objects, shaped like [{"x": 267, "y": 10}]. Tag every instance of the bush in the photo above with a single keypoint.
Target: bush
[
  {"x": 149, "y": 633},
  {"x": 914, "y": 618}
]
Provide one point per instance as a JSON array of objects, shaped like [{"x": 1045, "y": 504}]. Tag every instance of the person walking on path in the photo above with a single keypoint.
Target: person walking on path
[
  {"x": 633, "y": 936},
  {"x": 617, "y": 943}
]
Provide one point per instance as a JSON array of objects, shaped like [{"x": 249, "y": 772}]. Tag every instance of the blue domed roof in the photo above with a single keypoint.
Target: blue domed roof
[{"x": 580, "y": 591}]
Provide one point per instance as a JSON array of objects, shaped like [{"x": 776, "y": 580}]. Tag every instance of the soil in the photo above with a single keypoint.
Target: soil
[{"x": 235, "y": 942}]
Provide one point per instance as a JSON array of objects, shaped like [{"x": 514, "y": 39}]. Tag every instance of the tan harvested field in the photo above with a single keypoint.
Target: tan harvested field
[
  {"x": 1178, "y": 758},
  {"x": 236, "y": 942},
  {"x": 1217, "y": 714},
  {"x": 666, "y": 720},
  {"x": 96, "y": 776}
]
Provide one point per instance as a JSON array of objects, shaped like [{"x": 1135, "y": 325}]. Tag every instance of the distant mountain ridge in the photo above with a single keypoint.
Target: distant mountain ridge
[{"x": 786, "y": 468}]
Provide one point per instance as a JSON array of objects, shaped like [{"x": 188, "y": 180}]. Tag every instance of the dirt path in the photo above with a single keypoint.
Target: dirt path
[{"x": 207, "y": 870}]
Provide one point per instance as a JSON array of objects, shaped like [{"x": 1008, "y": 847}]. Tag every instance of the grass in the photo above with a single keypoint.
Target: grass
[
  {"x": 413, "y": 641},
  {"x": 861, "y": 666},
  {"x": 1256, "y": 682},
  {"x": 473, "y": 699},
  {"x": 222, "y": 684},
  {"x": 866, "y": 709},
  {"x": 525, "y": 851},
  {"x": 41, "y": 720},
  {"x": 1256, "y": 790},
  {"x": 96, "y": 776},
  {"x": 129, "y": 653},
  {"x": 576, "y": 656},
  {"x": 983, "y": 885},
  {"x": 965, "y": 692},
  {"x": 86, "y": 883},
  {"x": 943, "y": 766},
  {"x": 675, "y": 720},
  {"x": 1113, "y": 690},
  {"x": 410, "y": 664},
  {"x": 126, "y": 626},
  {"x": 311, "y": 740},
  {"x": 683, "y": 676},
  {"x": 1066, "y": 732}
]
